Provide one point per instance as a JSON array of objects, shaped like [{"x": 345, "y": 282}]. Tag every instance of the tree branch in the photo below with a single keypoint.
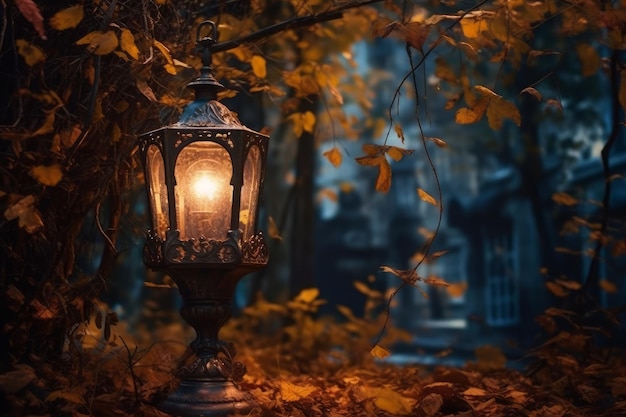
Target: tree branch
[{"x": 302, "y": 21}]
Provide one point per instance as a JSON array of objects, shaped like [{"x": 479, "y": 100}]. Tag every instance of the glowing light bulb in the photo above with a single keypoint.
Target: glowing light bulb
[{"x": 204, "y": 186}]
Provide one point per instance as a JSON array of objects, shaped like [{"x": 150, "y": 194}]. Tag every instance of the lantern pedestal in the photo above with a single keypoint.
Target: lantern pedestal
[{"x": 207, "y": 387}]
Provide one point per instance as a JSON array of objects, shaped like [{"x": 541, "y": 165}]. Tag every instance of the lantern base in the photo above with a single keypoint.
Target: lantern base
[{"x": 207, "y": 399}]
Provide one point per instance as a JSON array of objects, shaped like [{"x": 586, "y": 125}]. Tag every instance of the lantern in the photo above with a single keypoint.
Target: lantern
[{"x": 204, "y": 177}]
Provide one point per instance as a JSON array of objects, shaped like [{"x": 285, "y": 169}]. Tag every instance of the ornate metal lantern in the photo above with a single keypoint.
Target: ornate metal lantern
[{"x": 204, "y": 177}]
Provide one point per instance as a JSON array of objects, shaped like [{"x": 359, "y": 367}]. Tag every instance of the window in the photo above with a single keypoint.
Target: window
[{"x": 501, "y": 288}]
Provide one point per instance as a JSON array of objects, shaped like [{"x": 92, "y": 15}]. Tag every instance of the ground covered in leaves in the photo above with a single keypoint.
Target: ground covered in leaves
[{"x": 302, "y": 365}]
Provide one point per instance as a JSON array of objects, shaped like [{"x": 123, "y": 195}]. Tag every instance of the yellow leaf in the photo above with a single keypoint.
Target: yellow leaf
[
  {"x": 127, "y": 43},
  {"x": 47, "y": 175},
  {"x": 334, "y": 156},
  {"x": 32, "y": 54},
  {"x": 67, "y": 18},
  {"x": 272, "y": 229},
  {"x": 608, "y": 286},
  {"x": 589, "y": 58},
  {"x": 499, "y": 109},
  {"x": 303, "y": 122},
  {"x": 379, "y": 352},
  {"x": 473, "y": 26},
  {"x": 467, "y": 115},
  {"x": 99, "y": 43},
  {"x": 164, "y": 51},
  {"x": 170, "y": 68},
  {"x": 308, "y": 121},
  {"x": 426, "y": 197},
  {"x": 308, "y": 295},
  {"x": 389, "y": 400},
  {"x": 258, "y": 66},
  {"x": 291, "y": 392}
]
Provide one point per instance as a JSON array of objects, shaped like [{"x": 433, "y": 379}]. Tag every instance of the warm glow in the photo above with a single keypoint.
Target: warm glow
[{"x": 204, "y": 186}]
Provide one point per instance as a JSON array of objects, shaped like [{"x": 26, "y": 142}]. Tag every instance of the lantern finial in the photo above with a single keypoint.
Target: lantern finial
[{"x": 206, "y": 86}]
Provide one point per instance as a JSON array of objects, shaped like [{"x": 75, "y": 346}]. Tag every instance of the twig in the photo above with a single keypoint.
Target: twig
[
  {"x": 592, "y": 274},
  {"x": 301, "y": 21}
]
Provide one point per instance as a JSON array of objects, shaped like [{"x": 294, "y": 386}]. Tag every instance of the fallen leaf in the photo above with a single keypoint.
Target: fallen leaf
[
  {"x": 127, "y": 43},
  {"x": 32, "y": 54},
  {"x": 291, "y": 392},
  {"x": 67, "y": 18},
  {"x": 99, "y": 43},
  {"x": 47, "y": 175}
]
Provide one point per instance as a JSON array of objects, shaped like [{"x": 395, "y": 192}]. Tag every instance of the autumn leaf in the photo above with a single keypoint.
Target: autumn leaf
[
  {"x": 67, "y": 18},
  {"x": 164, "y": 51},
  {"x": 564, "y": 199},
  {"x": 146, "y": 90},
  {"x": 302, "y": 122},
  {"x": 608, "y": 287},
  {"x": 436, "y": 282},
  {"x": 99, "y": 43},
  {"x": 424, "y": 196},
  {"x": 307, "y": 295},
  {"x": 497, "y": 109},
  {"x": 127, "y": 43},
  {"x": 397, "y": 153},
  {"x": 334, "y": 156},
  {"x": 533, "y": 92},
  {"x": 556, "y": 289},
  {"x": 47, "y": 175},
  {"x": 389, "y": 400},
  {"x": 290, "y": 392},
  {"x": 399, "y": 131},
  {"x": 31, "y": 12},
  {"x": 439, "y": 142},
  {"x": 379, "y": 352},
  {"x": 24, "y": 210},
  {"x": 32, "y": 54},
  {"x": 258, "y": 66},
  {"x": 431, "y": 403}
]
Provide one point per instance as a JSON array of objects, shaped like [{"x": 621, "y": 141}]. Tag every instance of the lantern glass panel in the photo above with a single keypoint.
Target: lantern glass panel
[
  {"x": 250, "y": 192},
  {"x": 204, "y": 193},
  {"x": 155, "y": 169}
]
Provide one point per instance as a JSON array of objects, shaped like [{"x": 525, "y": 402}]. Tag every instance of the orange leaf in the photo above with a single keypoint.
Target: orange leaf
[
  {"x": 259, "y": 66},
  {"x": 426, "y": 197},
  {"x": 564, "y": 199},
  {"x": 67, "y": 18},
  {"x": 383, "y": 181},
  {"x": 334, "y": 156},
  {"x": 379, "y": 352}
]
